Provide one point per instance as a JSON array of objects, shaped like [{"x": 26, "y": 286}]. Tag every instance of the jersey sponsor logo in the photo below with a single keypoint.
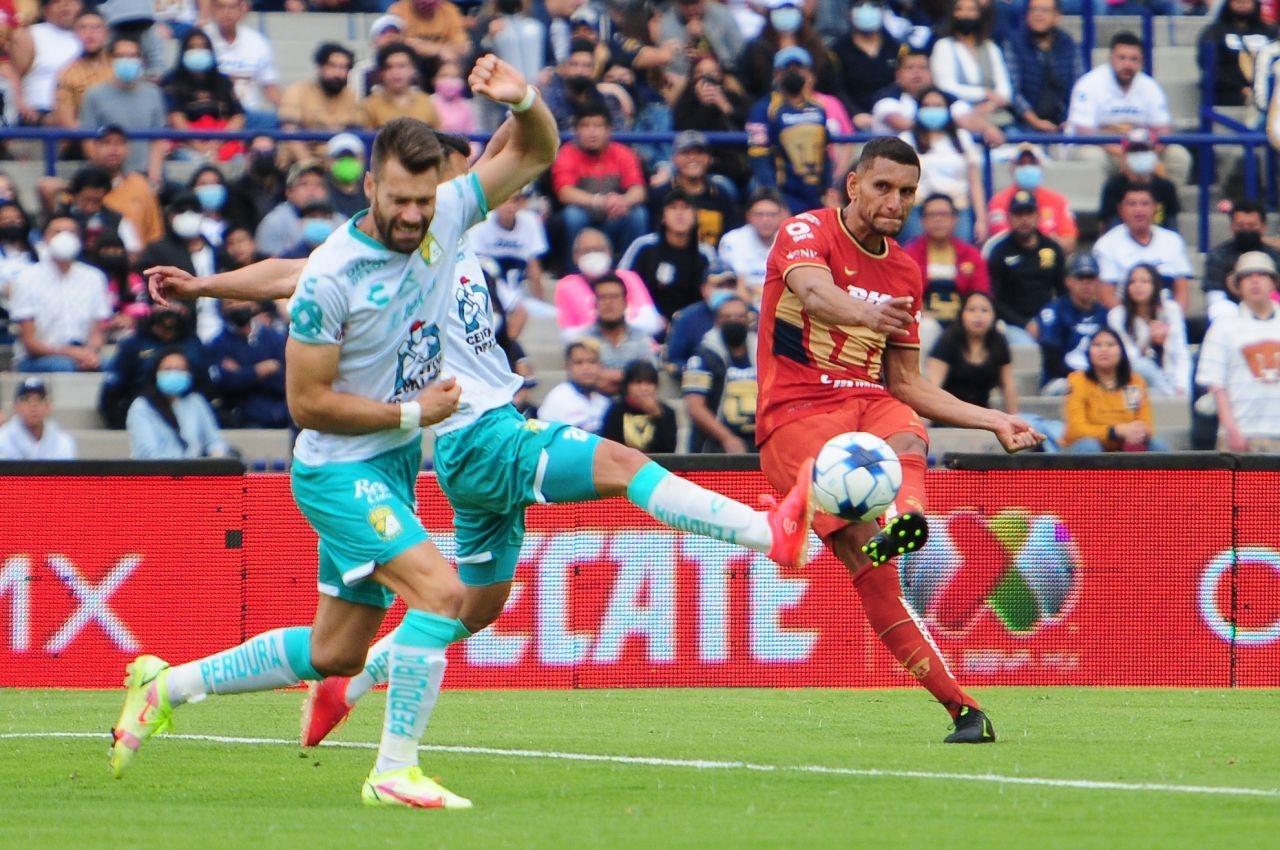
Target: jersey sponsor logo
[
  {"x": 801, "y": 254},
  {"x": 306, "y": 317},
  {"x": 364, "y": 267},
  {"x": 419, "y": 359},
  {"x": 846, "y": 383},
  {"x": 798, "y": 231},
  {"x": 384, "y": 522},
  {"x": 372, "y": 491},
  {"x": 863, "y": 294},
  {"x": 809, "y": 217}
]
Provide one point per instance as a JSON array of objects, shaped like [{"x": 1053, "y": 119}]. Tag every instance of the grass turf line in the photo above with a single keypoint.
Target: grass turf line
[{"x": 56, "y": 793}]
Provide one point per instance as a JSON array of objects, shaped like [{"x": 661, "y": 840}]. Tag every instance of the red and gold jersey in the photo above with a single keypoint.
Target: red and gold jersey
[{"x": 806, "y": 365}]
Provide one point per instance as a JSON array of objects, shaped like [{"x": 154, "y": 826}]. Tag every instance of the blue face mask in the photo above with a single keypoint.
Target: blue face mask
[
  {"x": 173, "y": 382},
  {"x": 933, "y": 117},
  {"x": 867, "y": 18},
  {"x": 197, "y": 60},
  {"x": 316, "y": 230},
  {"x": 1028, "y": 177},
  {"x": 211, "y": 196},
  {"x": 128, "y": 69},
  {"x": 786, "y": 19}
]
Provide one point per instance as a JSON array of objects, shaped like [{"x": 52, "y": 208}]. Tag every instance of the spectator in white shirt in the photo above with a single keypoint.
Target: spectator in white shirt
[
  {"x": 31, "y": 434},
  {"x": 245, "y": 56},
  {"x": 516, "y": 239},
  {"x": 967, "y": 64},
  {"x": 576, "y": 401},
  {"x": 1117, "y": 97},
  {"x": 1240, "y": 361},
  {"x": 745, "y": 250},
  {"x": 59, "y": 306},
  {"x": 39, "y": 53},
  {"x": 1137, "y": 239}
]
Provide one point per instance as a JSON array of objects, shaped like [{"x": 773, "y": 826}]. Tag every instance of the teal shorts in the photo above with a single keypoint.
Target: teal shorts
[
  {"x": 365, "y": 514},
  {"x": 496, "y": 467}
]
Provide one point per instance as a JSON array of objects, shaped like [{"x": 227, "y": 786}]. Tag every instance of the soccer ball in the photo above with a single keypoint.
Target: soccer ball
[{"x": 856, "y": 476}]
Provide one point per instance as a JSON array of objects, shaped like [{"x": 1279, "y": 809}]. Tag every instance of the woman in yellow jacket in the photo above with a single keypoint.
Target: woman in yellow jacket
[{"x": 1107, "y": 406}]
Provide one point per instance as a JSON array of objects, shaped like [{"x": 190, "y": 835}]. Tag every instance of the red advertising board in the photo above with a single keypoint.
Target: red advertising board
[{"x": 1116, "y": 577}]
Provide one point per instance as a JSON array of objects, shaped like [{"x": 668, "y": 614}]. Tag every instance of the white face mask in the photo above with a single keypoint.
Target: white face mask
[
  {"x": 594, "y": 264},
  {"x": 187, "y": 224},
  {"x": 1143, "y": 162},
  {"x": 64, "y": 246}
]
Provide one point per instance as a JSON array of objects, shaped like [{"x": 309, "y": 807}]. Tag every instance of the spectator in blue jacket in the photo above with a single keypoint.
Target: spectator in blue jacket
[
  {"x": 169, "y": 420},
  {"x": 128, "y": 372},
  {"x": 1044, "y": 63},
  {"x": 1068, "y": 323},
  {"x": 248, "y": 368}
]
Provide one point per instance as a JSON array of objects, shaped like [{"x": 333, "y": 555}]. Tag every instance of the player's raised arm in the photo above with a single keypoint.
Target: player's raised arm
[
  {"x": 271, "y": 278},
  {"x": 823, "y": 300},
  {"x": 904, "y": 381},
  {"x": 534, "y": 138}
]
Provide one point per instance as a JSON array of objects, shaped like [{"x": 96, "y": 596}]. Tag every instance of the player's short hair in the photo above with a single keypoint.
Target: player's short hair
[
  {"x": 453, "y": 143},
  {"x": 410, "y": 142},
  {"x": 887, "y": 147},
  {"x": 1126, "y": 39}
]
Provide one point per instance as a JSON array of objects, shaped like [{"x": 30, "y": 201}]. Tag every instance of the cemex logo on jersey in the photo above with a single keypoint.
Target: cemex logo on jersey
[
  {"x": 473, "y": 310},
  {"x": 418, "y": 359},
  {"x": 1023, "y": 568}
]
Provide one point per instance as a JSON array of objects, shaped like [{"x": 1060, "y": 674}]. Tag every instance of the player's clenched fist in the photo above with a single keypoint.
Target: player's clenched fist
[
  {"x": 497, "y": 80},
  {"x": 439, "y": 400},
  {"x": 1016, "y": 435},
  {"x": 888, "y": 317}
]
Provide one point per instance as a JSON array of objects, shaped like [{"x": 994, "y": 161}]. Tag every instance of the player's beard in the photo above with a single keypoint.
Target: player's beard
[{"x": 394, "y": 234}]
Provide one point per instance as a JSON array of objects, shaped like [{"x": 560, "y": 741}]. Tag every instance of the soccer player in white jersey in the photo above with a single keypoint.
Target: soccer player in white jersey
[
  {"x": 548, "y": 460},
  {"x": 362, "y": 378}
]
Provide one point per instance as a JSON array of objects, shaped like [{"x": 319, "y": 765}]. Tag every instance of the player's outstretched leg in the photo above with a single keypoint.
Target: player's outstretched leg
[
  {"x": 781, "y": 532},
  {"x": 275, "y": 659}
]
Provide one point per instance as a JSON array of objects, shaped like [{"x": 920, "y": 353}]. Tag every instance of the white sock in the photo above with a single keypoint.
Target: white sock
[
  {"x": 375, "y": 670},
  {"x": 274, "y": 659},
  {"x": 685, "y": 506}
]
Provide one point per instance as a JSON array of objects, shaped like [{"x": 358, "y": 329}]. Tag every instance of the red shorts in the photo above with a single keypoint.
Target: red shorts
[{"x": 797, "y": 441}]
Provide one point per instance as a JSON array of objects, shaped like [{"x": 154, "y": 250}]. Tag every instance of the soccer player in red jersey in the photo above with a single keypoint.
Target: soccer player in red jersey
[{"x": 840, "y": 351}]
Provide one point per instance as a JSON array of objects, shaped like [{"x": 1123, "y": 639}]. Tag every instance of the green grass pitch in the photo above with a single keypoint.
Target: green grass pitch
[{"x": 1074, "y": 768}]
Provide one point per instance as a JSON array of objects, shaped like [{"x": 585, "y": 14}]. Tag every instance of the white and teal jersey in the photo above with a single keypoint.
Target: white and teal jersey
[
  {"x": 386, "y": 311},
  {"x": 471, "y": 347}
]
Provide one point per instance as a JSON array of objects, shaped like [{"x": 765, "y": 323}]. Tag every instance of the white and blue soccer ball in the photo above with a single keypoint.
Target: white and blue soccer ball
[{"x": 856, "y": 476}]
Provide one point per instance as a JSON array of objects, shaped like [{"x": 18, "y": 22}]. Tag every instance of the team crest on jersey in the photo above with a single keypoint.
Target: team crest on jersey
[
  {"x": 430, "y": 250},
  {"x": 418, "y": 359},
  {"x": 384, "y": 522},
  {"x": 474, "y": 313}
]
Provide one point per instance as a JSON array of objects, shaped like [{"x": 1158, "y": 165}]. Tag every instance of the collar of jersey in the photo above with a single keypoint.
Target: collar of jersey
[{"x": 844, "y": 228}]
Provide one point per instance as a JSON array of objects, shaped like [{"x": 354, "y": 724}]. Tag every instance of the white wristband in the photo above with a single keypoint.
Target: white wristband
[
  {"x": 526, "y": 103},
  {"x": 410, "y": 416}
]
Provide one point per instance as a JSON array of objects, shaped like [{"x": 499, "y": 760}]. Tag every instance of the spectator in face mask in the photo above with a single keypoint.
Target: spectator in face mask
[
  {"x": 719, "y": 384},
  {"x": 169, "y": 420},
  {"x": 1057, "y": 221},
  {"x": 126, "y": 375},
  {"x": 1248, "y": 226},
  {"x": 263, "y": 182},
  {"x": 223, "y": 207},
  {"x": 59, "y": 305},
  {"x": 786, "y": 26},
  {"x": 575, "y": 300},
  {"x": 1139, "y": 166},
  {"x": 239, "y": 249},
  {"x": 248, "y": 369},
  {"x": 185, "y": 246},
  {"x": 344, "y": 154},
  {"x": 787, "y": 136},
  {"x": 317, "y": 223},
  {"x": 324, "y": 103}
]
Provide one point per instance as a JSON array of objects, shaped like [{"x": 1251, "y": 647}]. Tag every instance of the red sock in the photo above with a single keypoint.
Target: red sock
[
  {"x": 905, "y": 637},
  {"x": 911, "y": 493}
]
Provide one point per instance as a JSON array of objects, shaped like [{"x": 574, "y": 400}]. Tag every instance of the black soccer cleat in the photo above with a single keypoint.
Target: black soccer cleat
[
  {"x": 972, "y": 727},
  {"x": 904, "y": 533}
]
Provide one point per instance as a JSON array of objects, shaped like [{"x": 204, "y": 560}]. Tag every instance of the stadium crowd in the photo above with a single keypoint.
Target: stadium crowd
[{"x": 649, "y": 258}]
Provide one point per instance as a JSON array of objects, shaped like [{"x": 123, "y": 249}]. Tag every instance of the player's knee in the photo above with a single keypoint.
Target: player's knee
[
  {"x": 338, "y": 660},
  {"x": 908, "y": 444},
  {"x": 615, "y": 466},
  {"x": 481, "y": 615}
]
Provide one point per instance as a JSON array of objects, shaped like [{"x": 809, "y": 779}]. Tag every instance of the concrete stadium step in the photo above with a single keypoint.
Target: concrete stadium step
[
  {"x": 1176, "y": 30},
  {"x": 266, "y": 446}
]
